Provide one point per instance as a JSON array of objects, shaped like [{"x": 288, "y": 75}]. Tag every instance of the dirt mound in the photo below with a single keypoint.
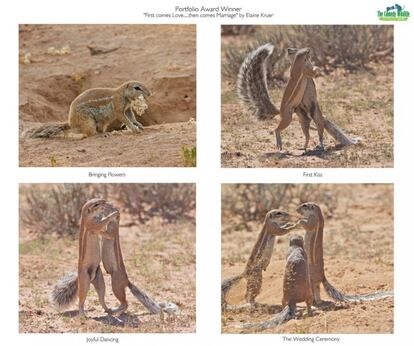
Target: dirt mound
[
  {"x": 160, "y": 56},
  {"x": 49, "y": 99},
  {"x": 173, "y": 99}
]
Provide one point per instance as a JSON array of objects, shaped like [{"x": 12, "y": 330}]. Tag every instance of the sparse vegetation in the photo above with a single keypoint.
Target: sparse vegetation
[
  {"x": 189, "y": 156},
  {"x": 56, "y": 66},
  {"x": 55, "y": 209},
  {"x": 361, "y": 102},
  {"x": 64, "y": 50},
  {"x": 53, "y": 161},
  {"x": 237, "y": 29},
  {"x": 251, "y": 202},
  {"x": 169, "y": 202},
  {"x": 358, "y": 253},
  {"x": 351, "y": 47},
  {"x": 25, "y": 58},
  {"x": 159, "y": 256}
]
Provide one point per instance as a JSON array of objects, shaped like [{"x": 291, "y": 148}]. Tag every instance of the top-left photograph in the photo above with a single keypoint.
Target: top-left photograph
[{"x": 107, "y": 95}]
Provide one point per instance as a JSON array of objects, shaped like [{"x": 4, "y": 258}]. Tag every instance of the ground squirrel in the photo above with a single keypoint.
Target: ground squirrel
[
  {"x": 296, "y": 286},
  {"x": 313, "y": 223},
  {"x": 275, "y": 223},
  {"x": 100, "y": 110},
  {"x": 95, "y": 216},
  {"x": 299, "y": 95},
  {"x": 100, "y": 218}
]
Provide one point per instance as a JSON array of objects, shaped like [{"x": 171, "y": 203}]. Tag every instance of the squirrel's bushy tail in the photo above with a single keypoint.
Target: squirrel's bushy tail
[
  {"x": 252, "y": 83},
  {"x": 339, "y": 135},
  {"x": 65, "y": 291},
  {"x": 285, "y": 315},
  {"x": 148, "y": 302},
  {"x": 339, "y": 296},
  {"x": 47, "y": 131}
]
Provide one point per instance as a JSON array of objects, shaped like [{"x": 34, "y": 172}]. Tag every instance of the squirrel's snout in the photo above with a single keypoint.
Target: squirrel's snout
[{"x": 299, "y": 210}]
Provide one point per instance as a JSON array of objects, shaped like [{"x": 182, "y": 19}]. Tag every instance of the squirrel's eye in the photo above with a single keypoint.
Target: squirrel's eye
[{"x": 136, "y": 87}]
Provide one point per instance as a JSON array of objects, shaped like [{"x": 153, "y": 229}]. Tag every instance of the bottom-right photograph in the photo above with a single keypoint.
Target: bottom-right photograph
[{"x": 307, "y": 258}]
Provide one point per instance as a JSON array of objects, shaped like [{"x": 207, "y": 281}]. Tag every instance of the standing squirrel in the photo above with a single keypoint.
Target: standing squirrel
[
  {"x": 275, "y": 224},
  {"x": 313, "y": 223},
  {"x": 296, "y": 286},
  {"x": 96, "y": 214},
  {"x": 299, "y": 95}
]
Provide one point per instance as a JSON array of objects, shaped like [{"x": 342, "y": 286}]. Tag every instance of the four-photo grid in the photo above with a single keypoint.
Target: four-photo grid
[{"x": 295, "y": 258}]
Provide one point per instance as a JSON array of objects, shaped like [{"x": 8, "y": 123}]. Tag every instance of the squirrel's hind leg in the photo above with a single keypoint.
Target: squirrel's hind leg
[
  {"x": 319, "y": 120},
  {"x": 305, "y": 125},
  {"x": 284, "y": 123},
  {"x": 99, "y": 284}
]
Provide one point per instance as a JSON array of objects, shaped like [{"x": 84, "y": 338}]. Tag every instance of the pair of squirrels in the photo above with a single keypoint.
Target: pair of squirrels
[
  {"x": 304, "y": 270},
  {"x": 298, "y": 97},
  {"x": 99, "y": 242}
]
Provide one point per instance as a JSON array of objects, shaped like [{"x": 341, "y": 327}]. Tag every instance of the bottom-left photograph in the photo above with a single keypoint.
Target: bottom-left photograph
[{"x": 107, "y": 258}]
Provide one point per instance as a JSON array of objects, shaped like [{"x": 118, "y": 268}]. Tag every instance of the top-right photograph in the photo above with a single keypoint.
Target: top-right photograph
[{"x": 303, "y": 96}]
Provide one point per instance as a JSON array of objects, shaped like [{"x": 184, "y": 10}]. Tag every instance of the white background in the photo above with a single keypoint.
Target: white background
[{"x": 208, "y": 175}]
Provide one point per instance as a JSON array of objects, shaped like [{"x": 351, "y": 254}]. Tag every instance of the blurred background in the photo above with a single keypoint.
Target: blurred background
[
  {"x": 157, "y": 237},
  {"x": 48, "y": 209}
]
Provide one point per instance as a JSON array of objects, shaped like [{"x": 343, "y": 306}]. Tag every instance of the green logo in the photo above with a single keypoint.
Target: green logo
[{"x": 393, "y": 13}]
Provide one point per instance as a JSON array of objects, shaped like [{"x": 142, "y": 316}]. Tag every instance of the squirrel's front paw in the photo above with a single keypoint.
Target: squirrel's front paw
[
  {"x": 139, "y": 125},
  {"x": 135, "y": 128}
]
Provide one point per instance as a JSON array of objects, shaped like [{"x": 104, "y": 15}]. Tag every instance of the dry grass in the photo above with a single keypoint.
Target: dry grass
[
  {"x": 159, "y": 258},
  {"x": 351, "y": 47},
  {"x": 360, "y": 103},
  {"x": 359, "y": 258}
]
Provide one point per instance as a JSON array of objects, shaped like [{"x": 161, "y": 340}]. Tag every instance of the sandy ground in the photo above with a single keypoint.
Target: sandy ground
[
  {"x": 360, "y": 103},
  {"x": 160, "y": 56},
  {"x": 358, "y": 252},
  {"x": 159, "y": 259}
]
